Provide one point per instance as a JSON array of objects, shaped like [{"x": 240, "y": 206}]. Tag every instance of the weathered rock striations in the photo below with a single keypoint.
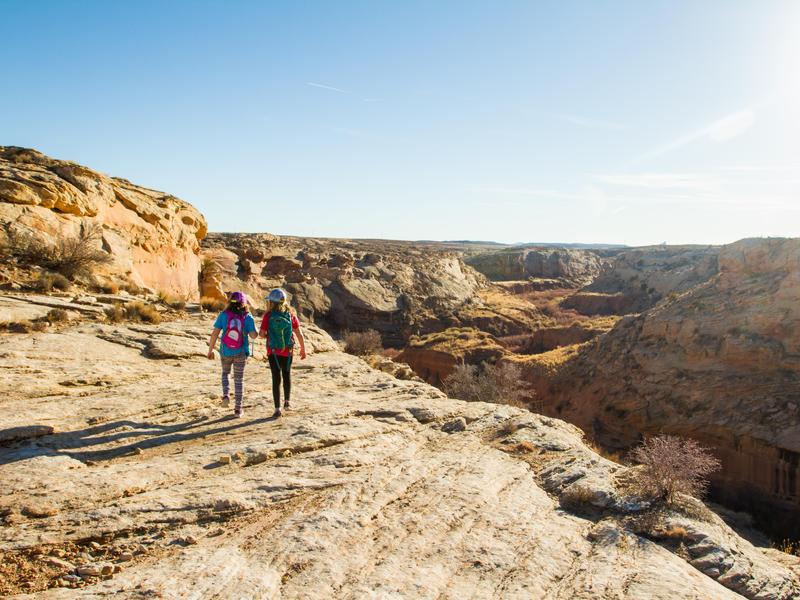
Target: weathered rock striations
[
  {"x": 153, "y": 238},
  {"x": 138, "y": 484},
  {"x": 720, "y": 363},
  {"x": 573, "y": 268},
  {"x": 637, "y": 278},
  {"x": 396, "y": 288}
]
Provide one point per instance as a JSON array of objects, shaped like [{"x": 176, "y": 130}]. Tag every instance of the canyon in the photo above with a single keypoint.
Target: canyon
[{"x": 621, "y": 343}]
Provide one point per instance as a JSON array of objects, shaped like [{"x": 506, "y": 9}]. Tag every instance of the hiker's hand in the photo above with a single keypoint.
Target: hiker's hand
[
  {"x": 210, "y": 354},
  {"x": 302, "y": 353}
]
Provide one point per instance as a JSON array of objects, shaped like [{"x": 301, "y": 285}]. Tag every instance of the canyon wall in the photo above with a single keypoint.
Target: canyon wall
[
  {"x": 573, "y": 267},
  {"x": 152, "y": 238},
  {"x": 718, "y": 362}
]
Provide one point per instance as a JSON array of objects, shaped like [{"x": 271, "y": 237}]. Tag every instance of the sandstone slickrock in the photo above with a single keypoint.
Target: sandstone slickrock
[
  {"x": 357, "y": 492},
  {"x": 153, "y": 238},
  {"x": 718, "y": 362}
]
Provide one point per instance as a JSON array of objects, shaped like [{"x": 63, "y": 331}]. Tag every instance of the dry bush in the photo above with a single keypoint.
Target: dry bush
[
  {"x": 576, "y": 496},
  {"x": 49, "y": 281},
  {"x": 69, "y": 256},
  {"x": 671, "y": 465},
  {"x": 26, "y": 326},
  {"x": 363, "y": 343},
  {"x": 212, "y": 304},
  {"x": 789, "y": 547},
  {"x": 133, "y": 311},
  {"x": 172, "y": 301},
  {"x": 501, "y": 383},
  {"x": 674, "y": 532},
  {"x": 57, "y": 315},
  {"x": 108, "y": 287}
]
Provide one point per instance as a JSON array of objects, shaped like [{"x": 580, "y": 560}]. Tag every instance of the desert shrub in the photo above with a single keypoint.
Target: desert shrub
[
  {"x": 132, "y": 288},
  {"x": 26, "y": 326},
  {"x": 212, "y": 304},
  {"x": 363, "y": 343},
  {"x": 108, "y": 287},
  {"x": 133, "y": 311},
  {"x": 671, "y": 465},
  {"x": 49, "y": 281},
  {"x": 69, "y": 256},
  {"x": 788, "y": 546},
  {"x": 171, "y": 301},
  {"x": 57, "y": 315},
  {"x": 501, "y": 383}
]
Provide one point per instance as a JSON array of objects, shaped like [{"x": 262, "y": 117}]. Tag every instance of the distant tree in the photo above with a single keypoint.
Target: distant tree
[{"x": 671, "y": 465}]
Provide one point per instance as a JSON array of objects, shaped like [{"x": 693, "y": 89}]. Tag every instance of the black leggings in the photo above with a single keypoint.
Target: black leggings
[{"x": 281, "y": 365}]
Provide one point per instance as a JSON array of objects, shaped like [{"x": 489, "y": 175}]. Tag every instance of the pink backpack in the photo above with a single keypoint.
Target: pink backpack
[{"x": 233, "y": 338}]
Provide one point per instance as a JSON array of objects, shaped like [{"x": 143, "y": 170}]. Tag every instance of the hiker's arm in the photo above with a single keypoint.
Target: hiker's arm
[
  {"x": 302, "y": 341},
  {"x": 213, "y": 342},
  {"x": 253, "y": 334}
]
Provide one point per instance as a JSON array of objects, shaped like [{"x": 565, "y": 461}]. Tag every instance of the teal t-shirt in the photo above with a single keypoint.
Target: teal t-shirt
[{"x": 249, "y": 325}]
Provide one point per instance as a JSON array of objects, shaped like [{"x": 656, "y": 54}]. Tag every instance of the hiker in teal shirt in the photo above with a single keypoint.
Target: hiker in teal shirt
[{"x": 236, "y": 325}]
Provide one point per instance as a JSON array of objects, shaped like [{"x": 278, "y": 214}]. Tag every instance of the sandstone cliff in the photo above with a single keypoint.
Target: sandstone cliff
[
  {"x": 152, "y": 237},
  {"x": 719, "y": 362},
  {"x": 573, "y": 268},
  {"x": 636, "y": 278},
  {"x": 129, "y": 481}
]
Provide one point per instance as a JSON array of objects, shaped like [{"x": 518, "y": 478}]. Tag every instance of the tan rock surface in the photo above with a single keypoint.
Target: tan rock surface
[
  {"x": 370, "y": 487},
  {"x": 573, "y": 268},
  {"x": 152, "y": 237}
]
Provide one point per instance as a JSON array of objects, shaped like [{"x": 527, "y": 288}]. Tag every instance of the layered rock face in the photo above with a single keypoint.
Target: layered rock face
[
  {"x": 153, "y": 238},
  {"x": 720, "y": 363},
  {"x": 131, "y": 481},
  {"x": 572, "y": 267},
  {"x": 396, "y": 288},
  {"x": 637, "y": 278}
]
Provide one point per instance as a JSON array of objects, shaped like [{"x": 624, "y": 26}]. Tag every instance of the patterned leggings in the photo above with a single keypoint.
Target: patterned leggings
[{"x": 237, "y": 362}]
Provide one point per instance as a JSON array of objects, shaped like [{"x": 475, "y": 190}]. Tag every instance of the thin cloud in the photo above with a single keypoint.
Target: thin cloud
[
  {"x": 590, "y": 123},
  {"x": 326, "y": 87},
  {"x": 721, "y": 130},
  {"x": 695, "y": 181}
]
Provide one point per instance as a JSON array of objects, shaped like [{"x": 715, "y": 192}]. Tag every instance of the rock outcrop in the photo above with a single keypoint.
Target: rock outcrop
[
  {"x": 135, "y": 483},
  {"x": 720, "y": 363},
  {"x": 637, "y": 278},
  {"x": 396, "y": 288},
  {"x": 572, "y": 268},
  {"x": 153, "y": 238}
]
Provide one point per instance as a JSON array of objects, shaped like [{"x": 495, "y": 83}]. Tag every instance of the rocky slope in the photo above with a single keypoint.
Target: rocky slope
[
  {"x": 720, "y": 363},
  {"x": 129, "y": 481},
  {"x": 151, "y": 237},
  {"x": 573, "y": 268},
  {"x": 397, "y": 288},
  {"x": 636, "y": 279}
]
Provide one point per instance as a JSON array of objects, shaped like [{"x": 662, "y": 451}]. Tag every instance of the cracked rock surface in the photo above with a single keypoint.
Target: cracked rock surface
[{"x": 132, "y": 481}]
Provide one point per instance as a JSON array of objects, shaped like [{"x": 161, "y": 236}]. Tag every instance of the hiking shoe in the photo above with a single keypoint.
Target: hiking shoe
[
  {"x": 286, "y": 406},
  {"x": 276, "y": 414},
  {"x": 238, "y": 414},
  {"x": 226, "y": 401}
]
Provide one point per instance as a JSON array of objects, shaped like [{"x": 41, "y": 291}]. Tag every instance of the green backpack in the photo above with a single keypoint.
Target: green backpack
[{"x": 279, "y": 330}]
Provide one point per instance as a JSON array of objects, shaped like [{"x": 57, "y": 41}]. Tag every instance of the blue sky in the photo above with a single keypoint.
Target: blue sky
[{"x": 630, "y": 122}]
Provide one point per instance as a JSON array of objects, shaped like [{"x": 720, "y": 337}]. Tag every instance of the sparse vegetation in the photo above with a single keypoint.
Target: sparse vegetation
[
  {"x": 133, "y": 311},
  {"x": 789, "y": 547},
  {"x": 26, "y": 326},
  {"x": 500, "y": 383},
  {"x": 108, "y": 287},
  {"x": 212, "y": 304},
  {"x": 47, "y": 282},
  {"x": 671, "y": 465},
  {"x": 171, "y": 301},
  {"x": 363, "y": 343},
  {"x": 72, "y": 256},
  {"x": 57, "y": 315}
]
